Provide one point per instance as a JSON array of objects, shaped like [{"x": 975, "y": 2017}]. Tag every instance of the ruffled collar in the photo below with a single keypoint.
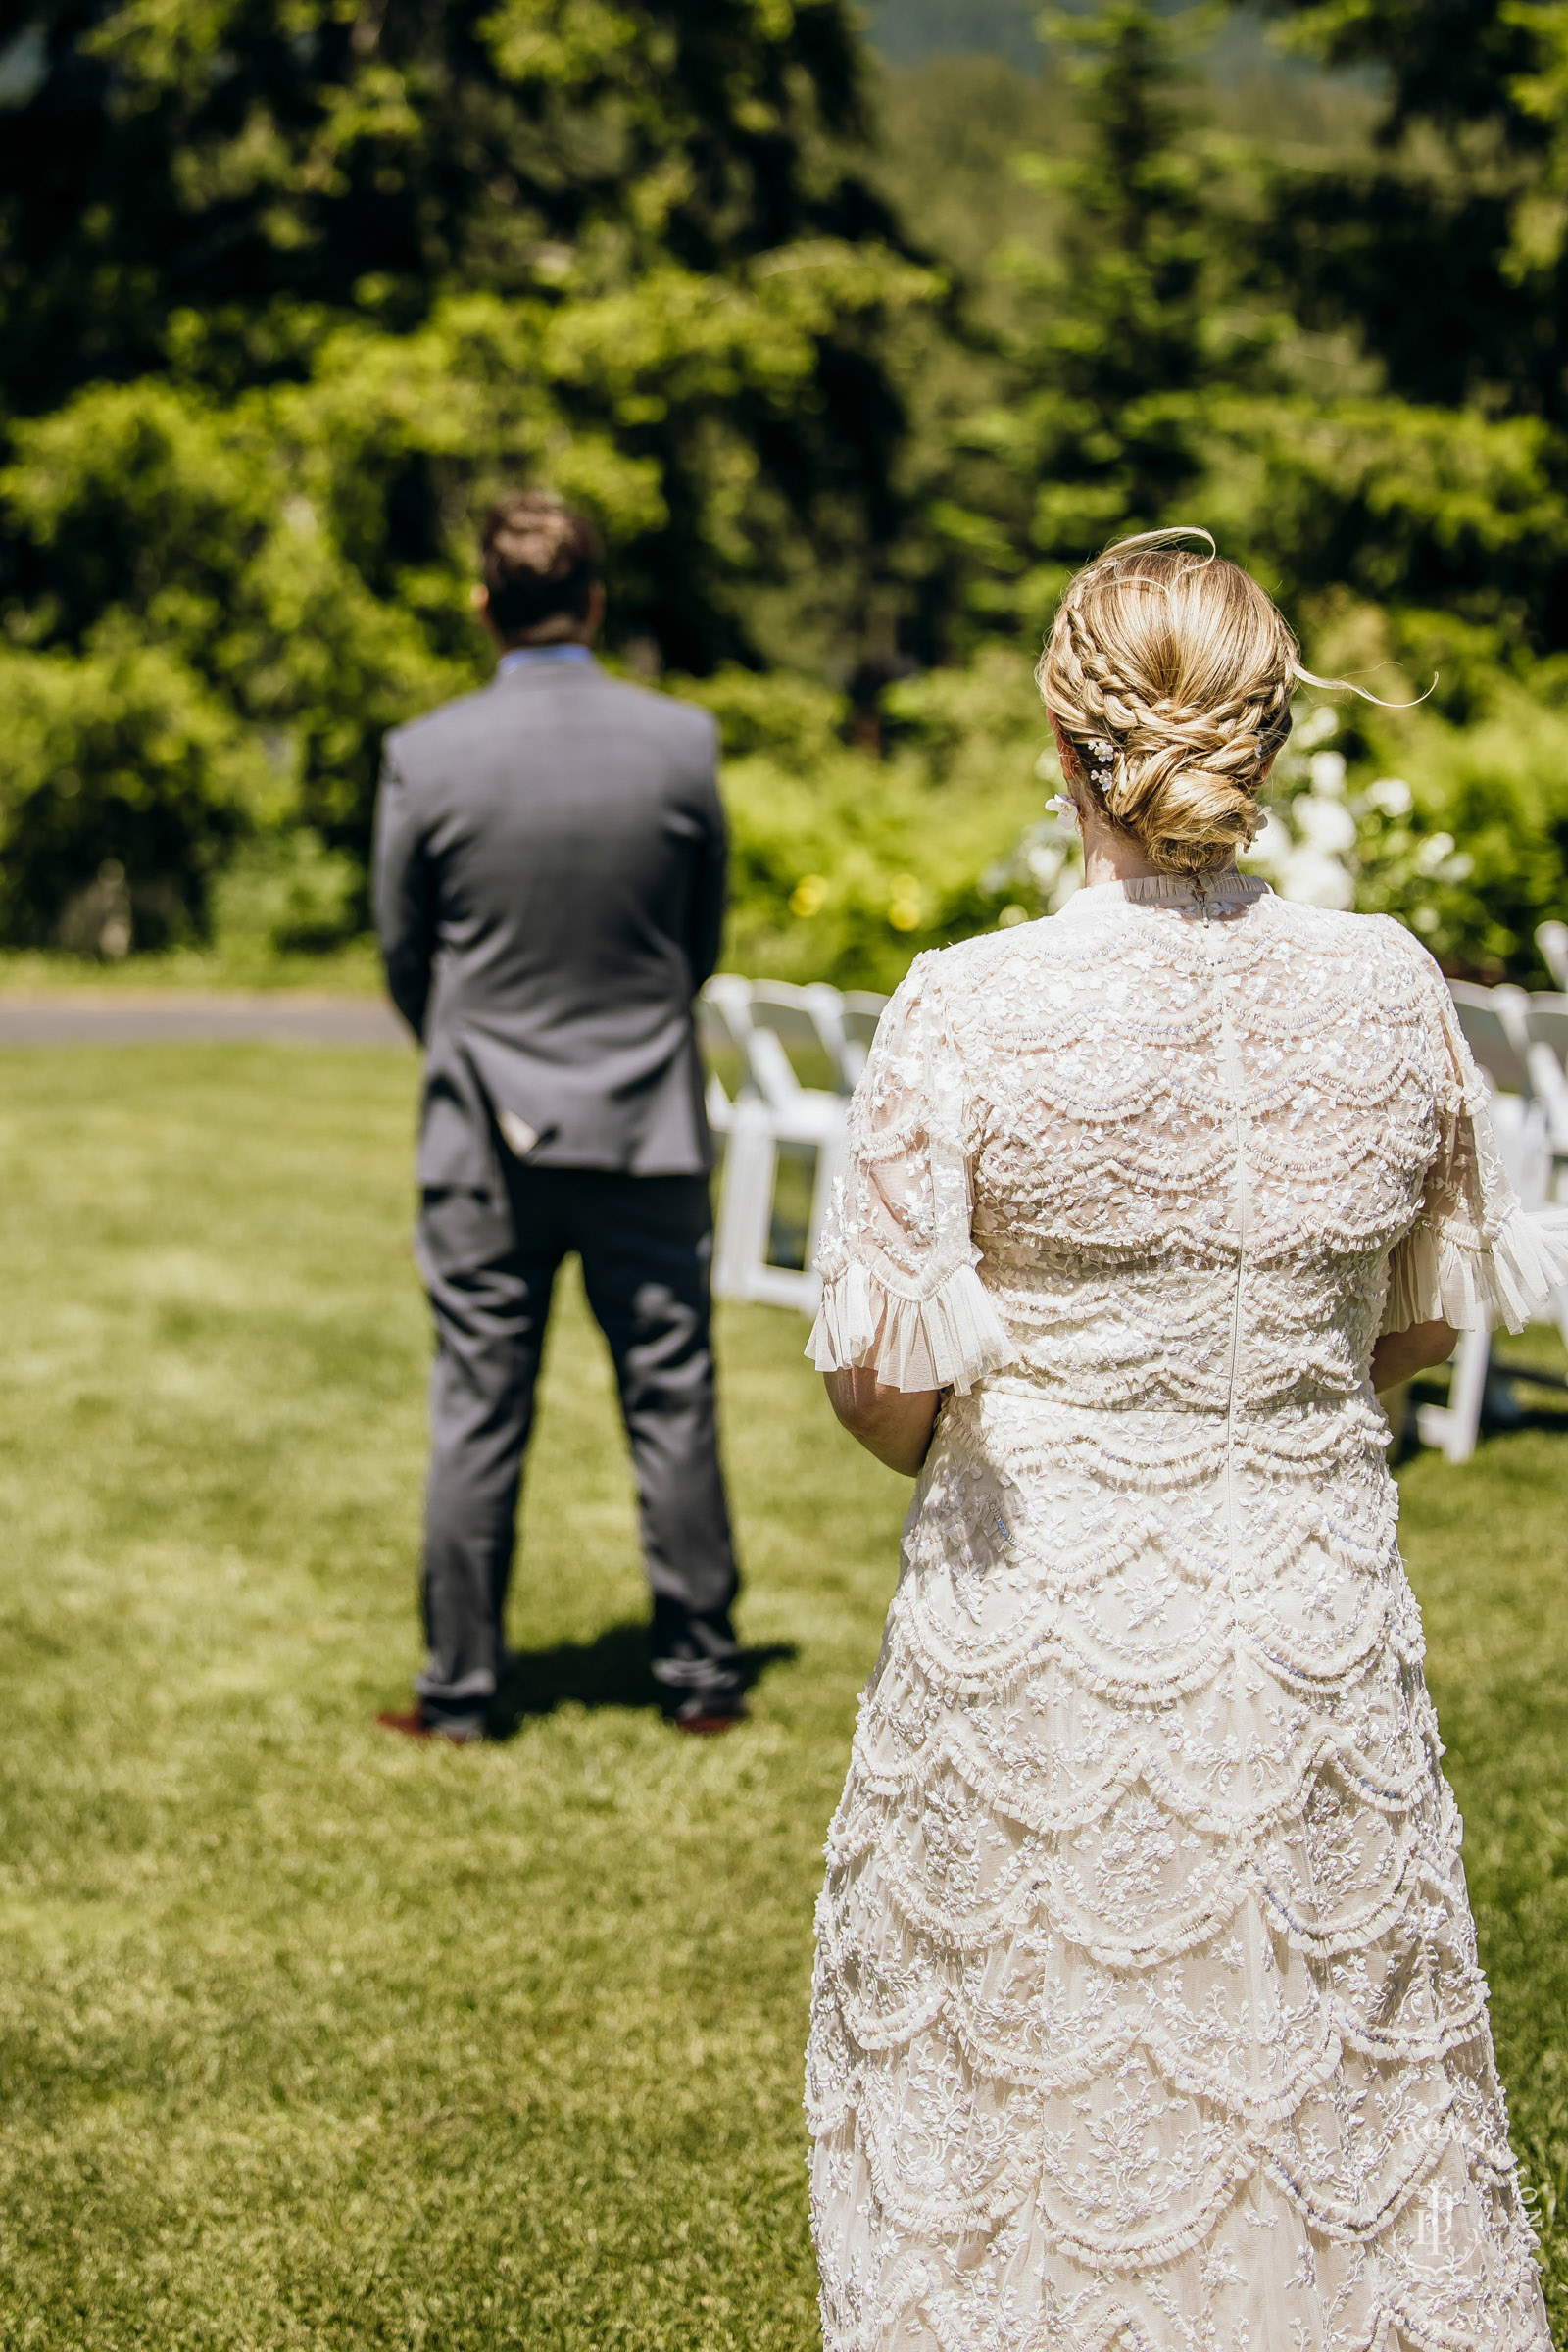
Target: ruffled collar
[{"x": 1227, "y": 889}]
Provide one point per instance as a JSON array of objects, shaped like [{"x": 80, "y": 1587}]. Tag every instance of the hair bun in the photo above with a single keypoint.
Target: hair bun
[
  {"x": 1192, "y": 809},
  {"x": 1171, "y": 678}
]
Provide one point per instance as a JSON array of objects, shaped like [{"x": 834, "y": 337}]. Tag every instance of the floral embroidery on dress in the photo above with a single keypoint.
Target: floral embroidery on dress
[{"x": 1147, "y": 2010}]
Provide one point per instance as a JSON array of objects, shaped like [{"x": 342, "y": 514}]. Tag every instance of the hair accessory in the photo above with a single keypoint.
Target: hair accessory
[
  {"x": 1101, "y": 752},
  {"x": 1064, "y": 808}
]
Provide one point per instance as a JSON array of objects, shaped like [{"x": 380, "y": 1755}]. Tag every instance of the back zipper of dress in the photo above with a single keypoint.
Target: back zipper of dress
[{"x": 1230, "y": 1073}]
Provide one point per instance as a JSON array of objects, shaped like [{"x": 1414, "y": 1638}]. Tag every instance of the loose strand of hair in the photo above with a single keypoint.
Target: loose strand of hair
[{"x": 1309, "y": 677}]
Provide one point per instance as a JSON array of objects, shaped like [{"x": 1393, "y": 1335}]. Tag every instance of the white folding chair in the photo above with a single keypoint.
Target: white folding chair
[
  {"x": 1495, "y": 1024},
  {"x": 859, "y": 1016},
  {"x": 1547, "y": 1022},
  {"x": 1497, "y": 1031},
  {"x": 741, "y": 1118},
  {"x": 802, "y": 1021},
  {"x": 770, "y": 1113},
  {"x": 1553, "y": 940}
]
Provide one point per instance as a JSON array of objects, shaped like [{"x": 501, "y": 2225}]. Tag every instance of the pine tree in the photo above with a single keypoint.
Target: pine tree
[
  {"x": 288, "y": 287},
  {"x": 1122, "y": 328}
]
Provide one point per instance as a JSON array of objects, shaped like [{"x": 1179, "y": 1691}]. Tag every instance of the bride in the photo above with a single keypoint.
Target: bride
[{"x": 1147, "y": 2011}]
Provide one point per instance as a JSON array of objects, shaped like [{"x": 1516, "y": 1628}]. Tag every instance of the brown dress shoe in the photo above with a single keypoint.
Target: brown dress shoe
[
  {"x": 706, "y": 1716},
  {"x": 414, "y": 1724}
]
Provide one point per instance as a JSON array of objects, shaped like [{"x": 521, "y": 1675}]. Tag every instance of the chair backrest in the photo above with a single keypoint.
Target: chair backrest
[
  {"x": 1553, "y": 940},
  {"x": 724, "y": 1033},
  {"x": 1495, "y": 1024},
  {"x": 1547, "y": 1022},
  {"x": 787, "y": 1012},
  {"x": 794, "y": 1040},
  {"x": 859, "y": 1015}
]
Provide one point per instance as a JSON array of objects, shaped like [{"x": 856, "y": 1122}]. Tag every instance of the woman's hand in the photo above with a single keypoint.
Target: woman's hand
[
  {"x": 1400, "y": 1354},
  {"x": 893, "y": 1424}
]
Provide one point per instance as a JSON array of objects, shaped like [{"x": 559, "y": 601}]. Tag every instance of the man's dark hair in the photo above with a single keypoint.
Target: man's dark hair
[{"x": 540, "y": 558}]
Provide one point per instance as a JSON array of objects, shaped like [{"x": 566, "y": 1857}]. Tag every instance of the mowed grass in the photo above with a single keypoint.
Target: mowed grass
[{"x": 314, "y": 2038}]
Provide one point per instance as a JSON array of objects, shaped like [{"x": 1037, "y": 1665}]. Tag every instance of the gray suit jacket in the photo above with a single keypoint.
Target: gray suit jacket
[{"x": 550, "y": 860}]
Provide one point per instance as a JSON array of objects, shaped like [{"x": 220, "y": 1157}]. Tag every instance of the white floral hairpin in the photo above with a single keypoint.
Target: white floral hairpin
[{"x": 1064, "y": 808}]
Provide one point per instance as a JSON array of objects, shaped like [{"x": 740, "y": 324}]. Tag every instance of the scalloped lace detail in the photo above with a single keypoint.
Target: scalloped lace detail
[{"x": 1147, "y": 2014}]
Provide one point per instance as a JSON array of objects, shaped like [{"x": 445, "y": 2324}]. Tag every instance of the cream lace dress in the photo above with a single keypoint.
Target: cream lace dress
[{"x": 1147, "y": 2009}]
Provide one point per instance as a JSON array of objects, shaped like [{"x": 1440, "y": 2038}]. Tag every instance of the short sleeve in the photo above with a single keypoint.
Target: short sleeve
[
  {"x": 900, "y": 1291},
  {"x": 1473, "y": 1257}
]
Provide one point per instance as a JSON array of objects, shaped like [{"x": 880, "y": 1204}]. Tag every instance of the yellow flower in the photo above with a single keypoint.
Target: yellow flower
[
  {"x": 808, "y": 895},
  {"x": 906, "y": 911}
]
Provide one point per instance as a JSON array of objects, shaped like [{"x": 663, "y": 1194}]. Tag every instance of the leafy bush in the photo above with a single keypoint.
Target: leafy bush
[
  {"x": 846, "y": 865},
  {"x": 124, "y": 782},
  {"x": 286, "y": 893}
]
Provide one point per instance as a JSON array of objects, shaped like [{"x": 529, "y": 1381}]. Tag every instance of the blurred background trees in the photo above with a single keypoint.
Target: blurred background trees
[{"x": 854, "y": 350}]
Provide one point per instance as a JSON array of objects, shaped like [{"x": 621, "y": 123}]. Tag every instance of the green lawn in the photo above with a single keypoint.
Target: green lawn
[{"x": 314, "y": 2038}]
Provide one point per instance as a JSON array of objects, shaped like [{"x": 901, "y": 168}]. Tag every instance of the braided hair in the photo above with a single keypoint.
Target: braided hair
[{"x": 1170, "y": 674}]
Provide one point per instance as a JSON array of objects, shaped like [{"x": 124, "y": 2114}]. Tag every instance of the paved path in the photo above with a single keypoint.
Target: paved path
[{"x": 180, "y": 1016}]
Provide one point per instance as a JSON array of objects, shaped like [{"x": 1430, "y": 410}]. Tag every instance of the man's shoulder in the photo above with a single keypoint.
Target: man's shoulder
[
  {"x": 685, "y": 724},
  {"x": 434, "y": 730},
  {"x": 690, "y": 732}
]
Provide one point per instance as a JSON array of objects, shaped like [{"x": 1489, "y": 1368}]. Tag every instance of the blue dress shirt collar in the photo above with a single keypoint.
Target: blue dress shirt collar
[{"x": 523, "y": 657}]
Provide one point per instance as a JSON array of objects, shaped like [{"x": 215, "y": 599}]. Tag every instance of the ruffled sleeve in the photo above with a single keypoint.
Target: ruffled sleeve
[
  {"x": 1473, "y": 1257},
  {"x": 900, "y": 1291}
]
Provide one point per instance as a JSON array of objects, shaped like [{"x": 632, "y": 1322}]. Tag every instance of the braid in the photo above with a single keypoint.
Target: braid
[{"x": 1172, "y": 679}]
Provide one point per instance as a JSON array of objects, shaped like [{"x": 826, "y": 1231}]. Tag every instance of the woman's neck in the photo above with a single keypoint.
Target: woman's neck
[{"x": 1112, "y": 857}]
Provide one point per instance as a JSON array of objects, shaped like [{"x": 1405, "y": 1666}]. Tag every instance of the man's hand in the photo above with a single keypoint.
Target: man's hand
[{"x": 893, "y": 1424}]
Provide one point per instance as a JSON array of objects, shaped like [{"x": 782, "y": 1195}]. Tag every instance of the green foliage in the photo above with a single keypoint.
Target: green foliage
[
  {"x": 288, "y": 292},
  {"x": 1115, "y": 338},
  {"x": 1483, "y": 858},
  {"x": 285, "y": 893},
  {"x": 846, "y": 865},
  {"x": 118, "y": 757}
]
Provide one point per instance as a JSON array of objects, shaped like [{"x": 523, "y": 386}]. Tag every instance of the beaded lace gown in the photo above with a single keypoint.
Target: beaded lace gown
[{"x": 1147, "y": 2011}]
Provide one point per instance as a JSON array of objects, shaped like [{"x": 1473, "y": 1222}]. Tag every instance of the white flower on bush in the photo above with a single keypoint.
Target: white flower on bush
[
  {"x": 1306, "y": 846},
  {"x": 1324, "y": 826},
  {"x": 1316, "y": 879},
  {"x": 1044, "y": 867},
  {"x": 1391, "y": 796}
]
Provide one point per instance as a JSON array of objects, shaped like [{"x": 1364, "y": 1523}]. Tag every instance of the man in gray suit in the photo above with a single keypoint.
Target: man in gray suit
[{"x": 549, "y": 891}]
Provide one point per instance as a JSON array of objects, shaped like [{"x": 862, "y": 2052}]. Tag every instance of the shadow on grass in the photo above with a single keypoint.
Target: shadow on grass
[
  {"x": 610, "y": 1670},
  {"x": 1503, "y": 1414}
]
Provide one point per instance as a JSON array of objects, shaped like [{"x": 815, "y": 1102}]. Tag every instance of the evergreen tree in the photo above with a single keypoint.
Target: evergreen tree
[
  {"x": 287, "y": 287},
  {"x": 1122, "y": 331},
  {"x": 1444, "y": 250}
]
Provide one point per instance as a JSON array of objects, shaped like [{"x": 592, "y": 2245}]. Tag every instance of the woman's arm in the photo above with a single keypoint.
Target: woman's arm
[
  {"x": 1400, "y": 1354},
  {"x": 894, "y": 1424}
]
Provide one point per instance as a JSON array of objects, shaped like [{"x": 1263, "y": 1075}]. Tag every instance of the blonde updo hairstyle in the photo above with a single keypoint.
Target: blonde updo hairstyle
[{"x": 1170, "y": 674}]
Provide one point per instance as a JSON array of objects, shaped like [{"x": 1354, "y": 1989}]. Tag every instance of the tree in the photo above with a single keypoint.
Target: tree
[
  {"x": 288, "y": 287},
  {"x": 1444, "y": 250},
  {"x": 1123, "y": 333}
]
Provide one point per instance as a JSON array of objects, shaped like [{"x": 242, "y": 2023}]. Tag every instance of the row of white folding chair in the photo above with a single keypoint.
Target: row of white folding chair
[
  {"x": 752, "y": 1025},
  {"x": 1518, "y": 1040}
]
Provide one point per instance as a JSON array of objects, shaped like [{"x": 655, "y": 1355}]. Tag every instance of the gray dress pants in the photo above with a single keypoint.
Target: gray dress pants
[{"x": 489, "y": 1262}]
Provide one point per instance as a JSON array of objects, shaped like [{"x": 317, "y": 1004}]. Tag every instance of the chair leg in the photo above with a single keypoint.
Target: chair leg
[
  {"x": 1454, "y": 1426},
  {"x": 745, "y": 1207}
]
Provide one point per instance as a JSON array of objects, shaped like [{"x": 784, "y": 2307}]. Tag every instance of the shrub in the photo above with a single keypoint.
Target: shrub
[
  {"x": 847, "y": 864},
  {"x": 125, "y": 782}
]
